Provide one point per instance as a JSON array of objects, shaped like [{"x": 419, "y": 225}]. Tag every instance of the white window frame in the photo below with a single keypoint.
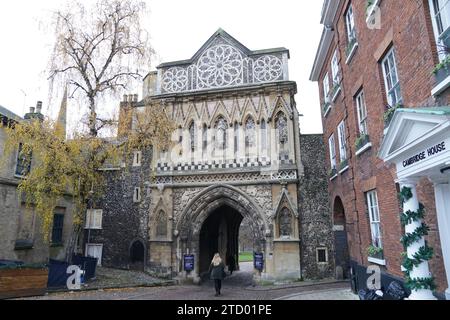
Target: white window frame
[
  {"x": 94, "y": 219},
  {"x": 332, "y": 146},
  {"x": 326, "y": 255},
  {"x": 444, "y": 22},
  {"x": 390, "y": 73},
  {"x": 137, "y": 195},
  {"x": 326, "y": 88},
  {"x": 137, "y": 158},
  {"x": 361, "y": 109},
  {"x": 335, "y": 69},
  {"x": 99, "y": 259},
  {"x": 350, "y": 24},
  {"x": 374, "y": 217},
  {"x": 342, "y": 141}
]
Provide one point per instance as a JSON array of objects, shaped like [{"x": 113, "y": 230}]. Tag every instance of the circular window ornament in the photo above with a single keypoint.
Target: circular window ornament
[
  {"x": 220, "y": 66},
  {"x": 268, "y": 68},
  {"x": 175, "y": 80}
]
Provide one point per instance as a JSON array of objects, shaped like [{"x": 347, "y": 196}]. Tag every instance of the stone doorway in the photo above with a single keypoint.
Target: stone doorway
[
  {"x": 220, "y": 234},
  {"x": 342, "y": 256},
  {"x": 137, "y": 256}
]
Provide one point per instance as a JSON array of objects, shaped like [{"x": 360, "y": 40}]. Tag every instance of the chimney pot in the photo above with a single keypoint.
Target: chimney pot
[
  {"x": 135, "y": 98},
  {"x": 38, "y": 107},
  {"x": 130, "y": 98},
  {"x": 125, "y": 98},
  {"x": 31, "y": 109}
]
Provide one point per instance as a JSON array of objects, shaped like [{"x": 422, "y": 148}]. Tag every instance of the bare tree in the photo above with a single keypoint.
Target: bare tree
[{"x": 100, "y": 51}]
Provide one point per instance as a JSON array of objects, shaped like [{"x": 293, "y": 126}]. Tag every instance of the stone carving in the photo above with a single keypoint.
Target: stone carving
[
  {"x": 282, "y": 129},
  {"x": 175, "y": 80},
  {"x": 268, "y": 68},
  {"x": 284, "y": 222},
  {"x": 192, "y": 136},
  {"x": 221, "y": 131},
  {"x": 250, "y": 133},
  {"x": 220, "y": 66},
  {"x": 161, "y": 224}
]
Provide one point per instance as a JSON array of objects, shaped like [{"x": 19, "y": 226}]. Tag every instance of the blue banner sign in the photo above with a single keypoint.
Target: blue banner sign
[
  {"x": 258, "y": 261},
  {"x": 188, "y": 262}
]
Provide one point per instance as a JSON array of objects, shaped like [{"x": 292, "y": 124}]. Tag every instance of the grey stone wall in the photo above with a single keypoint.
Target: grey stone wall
[
  {"x": 315, "y": 214},
  {"x": 19, "y": 223},
  {"x": 123, "y": 220}
]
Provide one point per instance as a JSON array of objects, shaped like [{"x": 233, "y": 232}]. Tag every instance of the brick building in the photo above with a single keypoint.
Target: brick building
[{"x": 372, "y": 61}]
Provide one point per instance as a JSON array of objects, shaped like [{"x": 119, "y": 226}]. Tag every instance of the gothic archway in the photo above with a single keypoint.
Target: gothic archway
[
  {"x": 137, "y": 255},
  {"x": 208, "y": 203},
  {"x": 342, "y": 256}
]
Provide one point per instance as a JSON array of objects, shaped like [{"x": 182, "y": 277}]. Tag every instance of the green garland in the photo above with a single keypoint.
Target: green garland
[
  {"x": 425, "y": 253},
  {"x": 412, "y": 216},
  {"x": 410, "y": 238},
  {"x": 405, "y": 194},
  {"x": 420, "y": 283}
]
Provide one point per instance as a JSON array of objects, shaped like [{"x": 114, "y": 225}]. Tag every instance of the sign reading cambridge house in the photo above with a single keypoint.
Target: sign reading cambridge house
[{"x": 425, "y": 154}]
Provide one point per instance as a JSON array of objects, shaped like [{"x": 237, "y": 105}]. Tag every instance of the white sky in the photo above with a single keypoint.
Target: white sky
[{"x": 178, "y": 28}]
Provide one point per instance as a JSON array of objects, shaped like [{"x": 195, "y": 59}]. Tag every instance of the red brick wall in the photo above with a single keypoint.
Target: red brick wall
[{"x": 405, "y": 25}]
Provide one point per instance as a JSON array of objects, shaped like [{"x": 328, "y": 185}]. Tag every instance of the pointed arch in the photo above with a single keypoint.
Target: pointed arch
[
  {"x": 220, "y": 133},
  {"x": 250, "y": 135},
  {"x": 161, "y": 224},
  {"x": 192, "y": 136}
]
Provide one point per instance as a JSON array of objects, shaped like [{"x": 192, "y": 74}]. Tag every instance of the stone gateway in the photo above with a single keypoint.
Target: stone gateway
[{"x": 237, "y": 154}]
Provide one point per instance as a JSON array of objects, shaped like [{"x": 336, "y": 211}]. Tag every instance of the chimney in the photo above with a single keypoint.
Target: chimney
[
  {"x": 39, "y": 107},
  {"x": 130, "y": 98},
  {"x": 135, "y": 98},
  {"x": 125, "y": 98},
  {"x": 31, "y": 109}
]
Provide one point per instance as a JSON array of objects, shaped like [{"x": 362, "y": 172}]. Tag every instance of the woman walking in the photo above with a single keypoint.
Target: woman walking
[{"x": 217, "y": 272}]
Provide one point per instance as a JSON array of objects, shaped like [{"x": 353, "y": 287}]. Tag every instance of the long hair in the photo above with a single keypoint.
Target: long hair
[{"x": 216, "y": 260}]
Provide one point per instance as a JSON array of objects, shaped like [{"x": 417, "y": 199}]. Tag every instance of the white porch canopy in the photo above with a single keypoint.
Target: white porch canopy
[{"x": 418, "y": 143}]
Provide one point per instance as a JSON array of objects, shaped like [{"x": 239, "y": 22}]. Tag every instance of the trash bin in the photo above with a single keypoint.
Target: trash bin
[{"x": 395, "y": 291}]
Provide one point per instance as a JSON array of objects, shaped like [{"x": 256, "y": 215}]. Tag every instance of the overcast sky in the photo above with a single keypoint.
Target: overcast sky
[{"x": 178, "y": 28}]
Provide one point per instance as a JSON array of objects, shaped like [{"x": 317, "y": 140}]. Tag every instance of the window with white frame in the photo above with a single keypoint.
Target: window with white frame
[
  {"x": 350, "y": 24},
  {"x": 137, "y": 158},
  {"x": 440, "y": 14},
  {"x": 374, "y": 216},
  {"x": 342, "y": 142},
  {"x": 362, "y": 113},
  {"x": 94, "y": 218},
  {"x": 137, "y": 194},
  {"x": 326, "y": 88},
  {"x": 331, "y": 144},
  {"x": 335, "y": 69},
  {"x": 391, "y": 79}
]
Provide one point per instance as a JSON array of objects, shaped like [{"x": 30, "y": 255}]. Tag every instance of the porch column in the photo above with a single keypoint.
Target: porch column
[
  {"x": 442, "y": 195},
  {"x": 422, "y": 270}
]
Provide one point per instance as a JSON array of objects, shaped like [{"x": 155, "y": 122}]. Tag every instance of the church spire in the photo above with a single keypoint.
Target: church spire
[{"x": 62, "y": 115}]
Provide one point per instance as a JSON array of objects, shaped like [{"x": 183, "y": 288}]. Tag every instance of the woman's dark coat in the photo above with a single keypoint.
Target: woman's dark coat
[{"x": 217, "y": 273}]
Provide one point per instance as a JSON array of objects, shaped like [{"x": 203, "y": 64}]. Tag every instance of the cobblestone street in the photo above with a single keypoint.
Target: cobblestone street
[{"x": 236, "y": 287}]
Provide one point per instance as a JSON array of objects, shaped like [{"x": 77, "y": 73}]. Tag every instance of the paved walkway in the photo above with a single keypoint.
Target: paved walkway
[{"x": 239, "y": 286}]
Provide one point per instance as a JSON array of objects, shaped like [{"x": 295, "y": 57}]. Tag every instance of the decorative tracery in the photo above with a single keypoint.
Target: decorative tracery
[
  {"x": 175, "y": 80},
  {"x": 220, "y": 66},
  {"x": 268, "y": 68}
]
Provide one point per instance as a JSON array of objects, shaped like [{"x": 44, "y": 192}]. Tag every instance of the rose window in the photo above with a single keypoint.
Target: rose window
[
  {"x": 268, "y": 68},
  {"x": 220, "y": 66},
  {"x": 175, "y": 80}
]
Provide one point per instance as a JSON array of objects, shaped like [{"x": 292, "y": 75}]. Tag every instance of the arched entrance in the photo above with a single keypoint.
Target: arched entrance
[
  {"x": 220, "y": 234},
  {"x": 342, "y": 256},
  {"x": 210, "y": 224},
  {"x": 137, "y": 255}
]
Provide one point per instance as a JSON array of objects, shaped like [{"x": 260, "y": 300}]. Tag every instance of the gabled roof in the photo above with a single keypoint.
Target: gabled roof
[
  {"x": 410, "y": 127},
  {"x": 9, "y": 114},
  {"x": 231, "y": 40}
]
